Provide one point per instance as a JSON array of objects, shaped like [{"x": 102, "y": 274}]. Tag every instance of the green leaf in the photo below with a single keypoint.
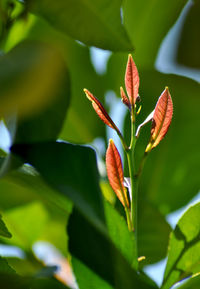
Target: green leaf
[
  {"x": 71, "y": 170},
  {"x": 82, "y": 124},
  {"x": 79, "y": 126},
  {"x": 47, "y": 123},
  {"x": 189, "y": 46},
  {"x": 119, "y": 234},
  {"x": 191, "y": 283},
  {"x": 87, "y": 278},
  {"x": 24, "y": 186},
  {"x": 94, "y": 23},
  {"x": 4, "y": 267},
  {"x": 100, "y": 255},
  {"x": 184, "y": 248},
  {"x": 3, "y": 229},
  {"x": 28, "y": 266},
  {"x": 9, "y": 279},
  {"x": 148, "y": 22},
  {"x": 47, "y": 283},
  {"x": 27, "y": 224},
  {"x": 153, "y": 234},
  {"x": 34, "y": 69}
]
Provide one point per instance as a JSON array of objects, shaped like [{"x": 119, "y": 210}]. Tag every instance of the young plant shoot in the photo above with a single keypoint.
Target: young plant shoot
[{"x": 160, "y": 117}]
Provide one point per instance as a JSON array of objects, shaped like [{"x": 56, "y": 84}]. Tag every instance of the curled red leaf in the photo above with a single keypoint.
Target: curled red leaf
[
  {"x": 161, "y": 118},
  {"x": 100, "y": 110},
  {"x": 125, "y": 99},
  {"x": 132, "y": 80},
  {"x": 115, "y": 173}
]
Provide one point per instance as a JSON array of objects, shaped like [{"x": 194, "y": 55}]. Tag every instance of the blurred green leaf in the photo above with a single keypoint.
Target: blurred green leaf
[
  {"x": 71, "y": 170},
  {"x": 28, "y": 266},
  {"x": 46, "y": 124},
  {"x": 4, "y": 267},
  {"x": 81, "y": 124},
  {"x": 191, "y": 283},
  {"x": 189, "y": 44},
  {"x": 94, "y": 23},
  {"x": 184, "y": 248},
  {"x": 147, "y": 23},
  {"x": 99, "y": 254},
  {"x": 47, "y": 283},
  {"x": 26, "y": 223},
  {"x": 25, "y": 185},
  {"x": 35, "y": 71},
  {"x": 3, "y": 229},
  {"x": 9, "y": 278},
  {"x": 153, "y": 234}
]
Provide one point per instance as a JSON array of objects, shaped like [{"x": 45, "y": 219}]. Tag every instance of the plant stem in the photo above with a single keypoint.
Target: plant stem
[
  {"x": 141, "y": 165},
  {"x": 125, "y": 147},
  {"x": 133, "y": 179},
  {"x": 128, "y": 218}
]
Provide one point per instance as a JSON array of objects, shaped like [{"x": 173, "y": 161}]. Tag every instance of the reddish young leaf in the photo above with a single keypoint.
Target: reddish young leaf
[
  {"x": 115, "y": 173},
  {"x": 125, "y": 98},
  {"x": 100, "y": 110},
  {"x": 161, "y": 118},
  {"x": 132, "y": 80}
]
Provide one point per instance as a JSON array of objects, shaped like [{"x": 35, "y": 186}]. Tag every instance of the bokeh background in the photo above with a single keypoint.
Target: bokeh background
[{"x": 49, "y": 53}]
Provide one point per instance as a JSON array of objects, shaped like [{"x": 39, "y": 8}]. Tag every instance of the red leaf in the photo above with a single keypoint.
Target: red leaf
[
  {"x": 115, "y": 173},
  {"x": 161, "y": 118},
  {"x": 125, "y": 98},
  {"x": 132, "y": 80},
  {"x": 100, "y": 110}
]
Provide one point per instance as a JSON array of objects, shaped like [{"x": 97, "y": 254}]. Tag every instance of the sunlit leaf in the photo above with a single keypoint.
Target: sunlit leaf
[
  {"x": 115, "y": 173},
  {"x": 100, "y": 110},
  {"x": 132, "y": 80},
  {"x": 184, "y": 248},
  {"x": 125, "y": 99},
  {"x": 161, "y": 119}
]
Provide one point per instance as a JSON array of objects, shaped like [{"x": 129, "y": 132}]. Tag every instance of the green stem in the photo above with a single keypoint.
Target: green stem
[
  {"x": 141, "y": 165},
  {"x": 133, "y": 179},
  {"x": 125, "y": 147},
  {"x": 128, "y": 218}
]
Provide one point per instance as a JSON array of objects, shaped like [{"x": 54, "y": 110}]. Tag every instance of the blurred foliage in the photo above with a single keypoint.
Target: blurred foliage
[
  {"x": 189, "y": 44},
  {"x": 45, "y": 64}
]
